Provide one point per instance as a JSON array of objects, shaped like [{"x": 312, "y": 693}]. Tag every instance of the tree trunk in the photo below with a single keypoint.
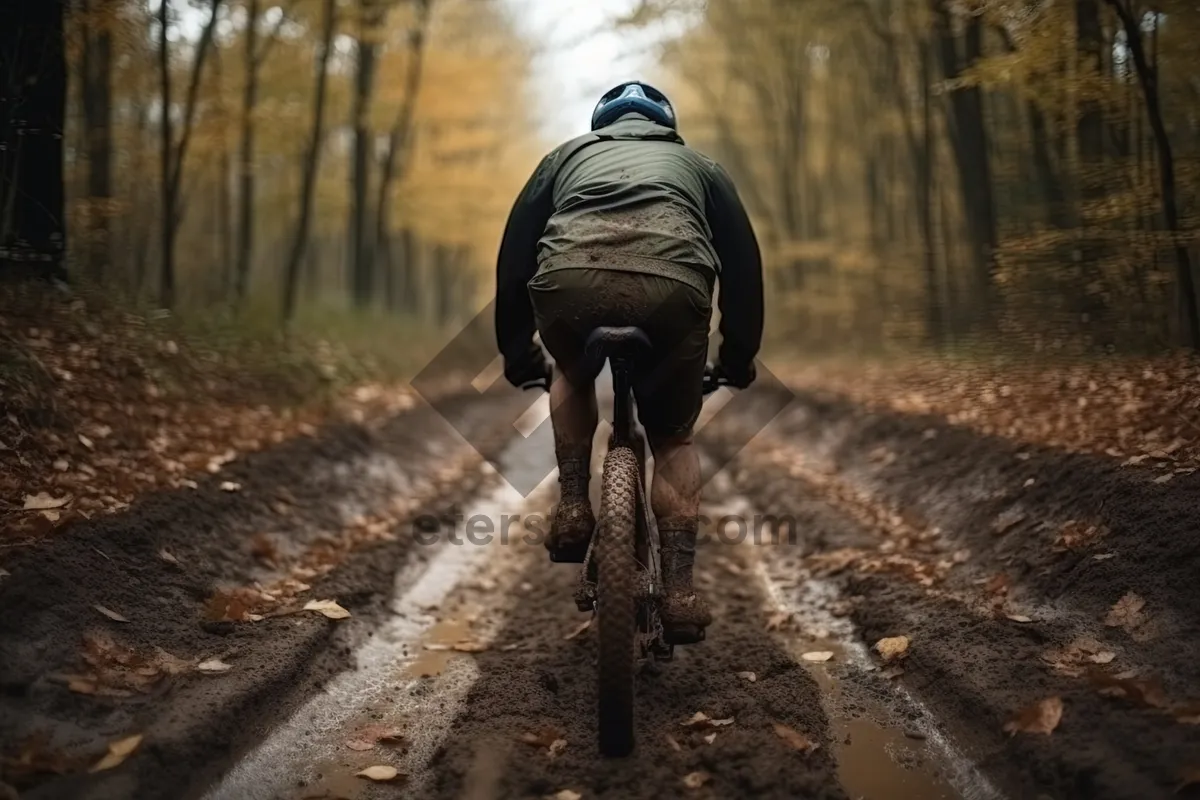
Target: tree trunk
[
  {"x": 32, "y": 118},
  {"x": 1148, "y": 79},
  {"x": 933, "y": 301},
  {"x": 245, "y": 245},
  {"x": 96, "y": 89},
  {"x": 166, "y": 297},
  {"x": 395, "y": 162},
  {"x": 312, "y": 160},
  {"x": 970, "y": 144},
  {"x": 173, "y": 156},
  {"x": 361, "y": 269}
]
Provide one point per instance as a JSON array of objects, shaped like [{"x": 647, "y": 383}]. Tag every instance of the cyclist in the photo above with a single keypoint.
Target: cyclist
[{"x": 626, "y": 225}]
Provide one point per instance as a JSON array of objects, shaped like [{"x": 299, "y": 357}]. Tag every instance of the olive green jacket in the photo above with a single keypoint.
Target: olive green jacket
[{"x": 634, "y": 197}]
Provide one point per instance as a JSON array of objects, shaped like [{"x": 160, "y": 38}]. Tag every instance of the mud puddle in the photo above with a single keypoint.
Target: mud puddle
[{"x": 888, "y": 746}]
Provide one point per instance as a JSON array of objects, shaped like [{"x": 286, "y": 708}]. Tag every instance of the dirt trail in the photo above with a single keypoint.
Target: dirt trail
[{"x": 885, "y": 526}]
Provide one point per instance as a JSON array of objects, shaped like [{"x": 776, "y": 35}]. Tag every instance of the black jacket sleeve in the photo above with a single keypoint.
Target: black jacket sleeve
[
  {"x": 517, "y": 264},
  {"x": 741, "y": 278}
]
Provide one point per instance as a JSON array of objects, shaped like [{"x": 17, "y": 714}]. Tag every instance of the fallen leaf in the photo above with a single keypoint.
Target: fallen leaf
[
  {"x": 750, "y": 676},
  {"x": 380, "y": 772},
  {"x": 545, "y": 738},
  {"x": 1019, "y": 618},
  {"x": 892, "y": 648},
  {"x": 1188, "y": 714},
  {"x": 778, "y": 620},
  {"x": 583, "y": 626},
  {"x": 1007, "y": 520},
  {"x": 470, "y": 647},
  {"x": 230, "y": 486},
  {"x": 372, "y": 735},
  {"x": 108, "y": 612},
  {"x": 165, "y": 555},
  {"x": 998, "y": 584},
  {"x": 818, "y": 655},
  {"x": 42, "y": 501},
  {"x": 794, "y": 738},
  {"x": 118, "y": 751},
  {"x": 1164, "y": 478},
  {"x": 567, "y": 794},
  {"x": 557, "y": 746},
  {"x": 1041, "y": 717},
  {"x": 710, "y": 738},
  {"x": 1126, "y": 612},
  {"x": 1103, "y": 657},
  {"x": 674, "y": 745},
  {"x": 214, "y": 666},
  {"x": 437, "y": 646},
  {"x": 702, "y": 720},
  {"x": 1147, "y": 692},
  {"x": 1103, "y": 556},
  {"x": 52, "y": 516},
  {"x": 327, "y": 608},
  {"x": 86, "y": 442},
  {"x": 694, "y": 780}
]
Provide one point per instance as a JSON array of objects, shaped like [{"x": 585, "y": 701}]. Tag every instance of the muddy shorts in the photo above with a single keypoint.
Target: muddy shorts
[{"x": 570, "y": 303}]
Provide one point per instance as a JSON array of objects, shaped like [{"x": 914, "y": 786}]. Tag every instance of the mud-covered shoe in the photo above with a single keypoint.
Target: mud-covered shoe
[
  {"x": 571, "y": 530},
  {"x": 684, "y": 614},
  {"x": 574, "y": 521}
]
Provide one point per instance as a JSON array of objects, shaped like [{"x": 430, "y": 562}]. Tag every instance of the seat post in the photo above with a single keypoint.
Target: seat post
[{"x": 622, "y": 401}]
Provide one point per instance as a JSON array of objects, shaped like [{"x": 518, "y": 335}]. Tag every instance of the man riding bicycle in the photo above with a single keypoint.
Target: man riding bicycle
[{"x": 627, "y": 226}]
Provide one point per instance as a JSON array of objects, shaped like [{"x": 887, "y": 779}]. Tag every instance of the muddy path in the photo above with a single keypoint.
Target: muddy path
[
  {"x": 1019, "y": 574},
  {"x": 105, "y": 626},
  {"x": 465, "y": 667}
]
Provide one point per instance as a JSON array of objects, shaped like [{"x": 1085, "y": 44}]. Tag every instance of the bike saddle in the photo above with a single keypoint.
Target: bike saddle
[{"x": 617, "y": 342}]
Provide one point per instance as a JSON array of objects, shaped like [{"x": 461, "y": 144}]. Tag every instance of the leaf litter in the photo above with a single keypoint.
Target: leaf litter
[
  {"x": 798, "y": 741},
  {"x": 1041, "y": 717},
  {"x": 108, "y": 612},
  {"x": 702, "y": 720},
  {"x": 372, "y": 735},
  {"x": 381, "y": 773},
  {"x": 118, "y": 751},
  {"x": 892, "y": 648}
]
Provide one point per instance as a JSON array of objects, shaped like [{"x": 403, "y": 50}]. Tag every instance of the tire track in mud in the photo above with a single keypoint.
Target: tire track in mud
[
  {"x": 886, "y": 485},
  {"x": 550, "y": 683},
  {"x": 464, "y": 716}
]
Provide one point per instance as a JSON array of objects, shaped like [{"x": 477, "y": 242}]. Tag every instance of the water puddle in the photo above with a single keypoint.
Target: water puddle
[
  {"x": 429, "y": 662},
  {"x": 889, "y": 750},
  {"x": 875, "y": 762}
]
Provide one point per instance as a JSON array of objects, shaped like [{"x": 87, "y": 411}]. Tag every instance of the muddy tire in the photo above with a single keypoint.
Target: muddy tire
[{"x": 616, "y": 609}]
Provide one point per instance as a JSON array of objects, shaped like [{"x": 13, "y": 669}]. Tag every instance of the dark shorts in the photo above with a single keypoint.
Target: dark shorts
[{"x": 569, "y": 304}]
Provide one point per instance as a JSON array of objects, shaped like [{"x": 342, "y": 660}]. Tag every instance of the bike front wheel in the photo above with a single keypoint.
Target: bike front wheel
[{"x": 616, "y": 600}]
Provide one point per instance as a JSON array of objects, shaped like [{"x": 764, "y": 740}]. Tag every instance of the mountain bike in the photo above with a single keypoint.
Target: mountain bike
[{"x": 621, "y": 579}]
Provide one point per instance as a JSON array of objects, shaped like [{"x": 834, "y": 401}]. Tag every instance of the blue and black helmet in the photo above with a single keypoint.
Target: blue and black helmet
[{"x": 633, "y": 96}]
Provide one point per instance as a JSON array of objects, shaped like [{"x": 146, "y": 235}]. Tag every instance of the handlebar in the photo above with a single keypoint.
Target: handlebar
[{"x": 712, "y": 381}]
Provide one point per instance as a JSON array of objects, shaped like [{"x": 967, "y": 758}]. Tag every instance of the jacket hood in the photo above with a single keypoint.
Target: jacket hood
[{"x": 637, "y": 126}]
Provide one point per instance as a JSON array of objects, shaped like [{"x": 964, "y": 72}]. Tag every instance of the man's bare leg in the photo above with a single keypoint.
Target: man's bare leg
[
  {"x": 574, "y": 415},
  {"x": 675, "y": 498}
]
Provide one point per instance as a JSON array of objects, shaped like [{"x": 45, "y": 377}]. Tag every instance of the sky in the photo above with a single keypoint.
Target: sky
[{"x": 581, "y": 57}]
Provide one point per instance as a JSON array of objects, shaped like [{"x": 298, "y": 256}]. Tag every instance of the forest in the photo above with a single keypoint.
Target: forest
[
  {"x": 1012, "y": 175},
  {"x": 359, "y": 155},
  {"x": 1016, "y": 172}
]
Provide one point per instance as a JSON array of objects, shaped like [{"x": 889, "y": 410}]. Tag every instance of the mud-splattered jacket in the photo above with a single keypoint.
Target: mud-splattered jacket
[{"x": 632, "y": 196}]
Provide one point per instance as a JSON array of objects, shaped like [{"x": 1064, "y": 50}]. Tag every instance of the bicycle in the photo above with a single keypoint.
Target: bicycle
[{"x": 621, "y": 579}]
